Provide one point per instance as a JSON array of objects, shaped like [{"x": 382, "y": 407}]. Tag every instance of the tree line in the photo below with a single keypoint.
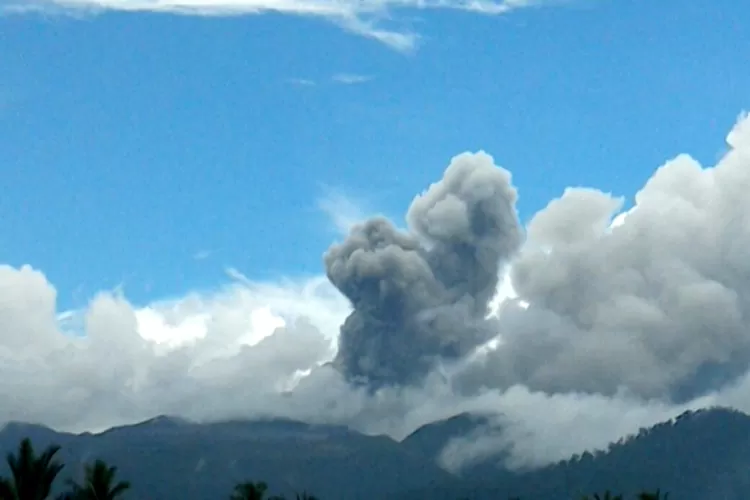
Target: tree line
[{"x": 33, "y": 476}]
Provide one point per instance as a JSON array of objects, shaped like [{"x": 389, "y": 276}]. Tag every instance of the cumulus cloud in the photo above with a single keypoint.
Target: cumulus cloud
[
  {"x": 658, "y": 305},
  {"x": 608, "y": 322},
  {"x": 363, "y": 18}
]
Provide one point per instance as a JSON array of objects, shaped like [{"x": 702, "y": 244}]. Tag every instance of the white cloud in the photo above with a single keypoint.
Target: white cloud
[
  {"x": 199, "y": 356},
  {"x": 196, "y": 356},
  {"x": 338, "y": 78},
  {"x": 359, "y": 17},
  {"x": 202, "y": 254},
  {"x": 341, "y": 209},
  {"x": 301, "y": 82},
  {"x": 350, "y": 78}
]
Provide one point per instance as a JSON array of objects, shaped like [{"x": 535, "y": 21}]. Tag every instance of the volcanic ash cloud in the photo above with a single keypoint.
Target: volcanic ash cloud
[{"x": 422, "y": 295}]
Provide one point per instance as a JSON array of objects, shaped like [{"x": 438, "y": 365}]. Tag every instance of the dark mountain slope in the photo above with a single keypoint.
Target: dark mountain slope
[
  {"x": 170, "y": 459},
  {"x": 430, "y": 439},
  {"x": 699, "y": 455}
]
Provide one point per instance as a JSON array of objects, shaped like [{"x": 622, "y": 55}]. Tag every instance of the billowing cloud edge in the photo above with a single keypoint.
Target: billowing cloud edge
[{"x": 258, "y": 348}]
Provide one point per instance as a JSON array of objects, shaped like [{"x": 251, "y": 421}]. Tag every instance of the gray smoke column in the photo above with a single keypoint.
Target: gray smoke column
[{"x": 422, "y": 295}]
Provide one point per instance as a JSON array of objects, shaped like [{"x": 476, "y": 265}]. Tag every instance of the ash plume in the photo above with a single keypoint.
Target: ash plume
[
  {"x": 422, "y": 295},
  {"x": 657, "y": 306}
]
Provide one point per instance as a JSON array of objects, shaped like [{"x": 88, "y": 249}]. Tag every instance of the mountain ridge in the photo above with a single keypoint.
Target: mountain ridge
[{"x": 703, "y": 452}]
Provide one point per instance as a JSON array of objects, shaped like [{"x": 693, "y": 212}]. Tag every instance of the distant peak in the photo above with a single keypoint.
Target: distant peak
[
  {"x": 165, "y": 421},
  {"x": 17, "y": 425},
  {"x": 458, "y": 423},
  {"x": 708, "y": 413},
  {"x": 158, "y": 422}
]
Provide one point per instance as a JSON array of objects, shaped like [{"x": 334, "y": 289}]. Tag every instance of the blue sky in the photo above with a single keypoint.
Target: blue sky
[{"x": 130, "y": 143}]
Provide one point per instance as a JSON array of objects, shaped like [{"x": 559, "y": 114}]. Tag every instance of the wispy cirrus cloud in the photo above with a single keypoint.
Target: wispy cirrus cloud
[
  {"x": 335, "y": 79},
  {"x": 301, "y": 82},
  {"x": 202, "y": 254},
  {"x": 341, "y": 209},
  {"x": 361, "y": 17},
  {"x": 350, "y": 78}
]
